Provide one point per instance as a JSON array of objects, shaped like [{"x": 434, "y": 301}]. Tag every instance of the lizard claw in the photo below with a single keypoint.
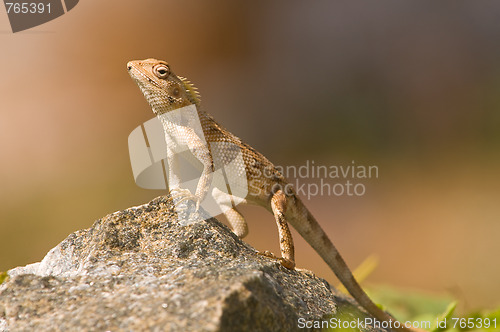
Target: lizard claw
[
  {"x": 285, "y": 262},
  {"x": 180, "y": 195},
  {"x": 267, "y": 254}
]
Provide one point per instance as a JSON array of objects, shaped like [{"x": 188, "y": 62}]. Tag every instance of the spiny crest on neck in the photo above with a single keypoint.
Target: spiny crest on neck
[{"x": 192, "y": 91}]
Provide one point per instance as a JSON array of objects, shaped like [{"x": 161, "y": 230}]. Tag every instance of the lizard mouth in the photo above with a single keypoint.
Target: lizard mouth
[
  {"x": 148, "y": 86},
  {"x": 135, "y": 73}
]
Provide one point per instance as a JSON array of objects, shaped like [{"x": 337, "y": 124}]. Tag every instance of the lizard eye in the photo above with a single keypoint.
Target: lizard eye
[{"x": 161, "y": 71}]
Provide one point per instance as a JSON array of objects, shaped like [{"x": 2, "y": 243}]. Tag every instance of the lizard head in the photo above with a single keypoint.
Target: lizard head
[{"x": 163, "y": 90}]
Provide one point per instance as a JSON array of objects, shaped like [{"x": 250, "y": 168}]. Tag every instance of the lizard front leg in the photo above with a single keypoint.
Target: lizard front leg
[
  {"x": 200, "y": 150},
  {"x": 202, "y": 187},
  {"x": 178, "y": 139},
  {"x": 206, "y": 175},
  {"x": 173, "y": 179}
]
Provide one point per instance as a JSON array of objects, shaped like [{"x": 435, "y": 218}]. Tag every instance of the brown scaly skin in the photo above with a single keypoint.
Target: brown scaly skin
[{"x": 266, "y": 185}]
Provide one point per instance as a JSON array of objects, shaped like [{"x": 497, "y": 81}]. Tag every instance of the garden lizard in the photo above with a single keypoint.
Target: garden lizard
[{"x": 267, "y": 187}]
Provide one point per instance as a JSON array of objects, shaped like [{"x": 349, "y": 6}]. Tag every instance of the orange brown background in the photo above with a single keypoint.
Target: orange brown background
[{"x": 412, "y": 87}]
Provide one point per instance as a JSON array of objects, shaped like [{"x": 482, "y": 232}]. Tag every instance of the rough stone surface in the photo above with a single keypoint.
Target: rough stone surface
[{"x": 148, "y": 268}]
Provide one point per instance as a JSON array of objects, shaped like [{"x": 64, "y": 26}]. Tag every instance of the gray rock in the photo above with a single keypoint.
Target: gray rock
[{"x": 141, "y": 269}]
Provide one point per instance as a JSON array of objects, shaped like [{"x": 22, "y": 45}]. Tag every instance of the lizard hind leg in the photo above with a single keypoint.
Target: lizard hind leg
[
  {"x": 278, "y": 205},
  {"x": 237, "y": 221},
  {"x": 233, "y": 216}
]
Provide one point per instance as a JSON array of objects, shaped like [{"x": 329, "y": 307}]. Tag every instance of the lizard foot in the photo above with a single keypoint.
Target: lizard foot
[
  {"x": 289, "y": 264},
  {"x": 306, "y": 271},
  {"x": 180, "y": 195}
]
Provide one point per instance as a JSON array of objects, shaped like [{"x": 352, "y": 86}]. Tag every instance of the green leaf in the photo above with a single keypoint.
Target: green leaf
[
  {"x": 408, "y": 305},
  {"x": 445, "y": 317},
  {"x": 3, "y": 277}
]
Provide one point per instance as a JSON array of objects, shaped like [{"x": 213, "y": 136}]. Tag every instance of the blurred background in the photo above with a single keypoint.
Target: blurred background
[{"x": 412, "y": 87}]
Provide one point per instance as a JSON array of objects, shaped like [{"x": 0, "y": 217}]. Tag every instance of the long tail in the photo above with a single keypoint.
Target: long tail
[{"x": 311, "y": 231}]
